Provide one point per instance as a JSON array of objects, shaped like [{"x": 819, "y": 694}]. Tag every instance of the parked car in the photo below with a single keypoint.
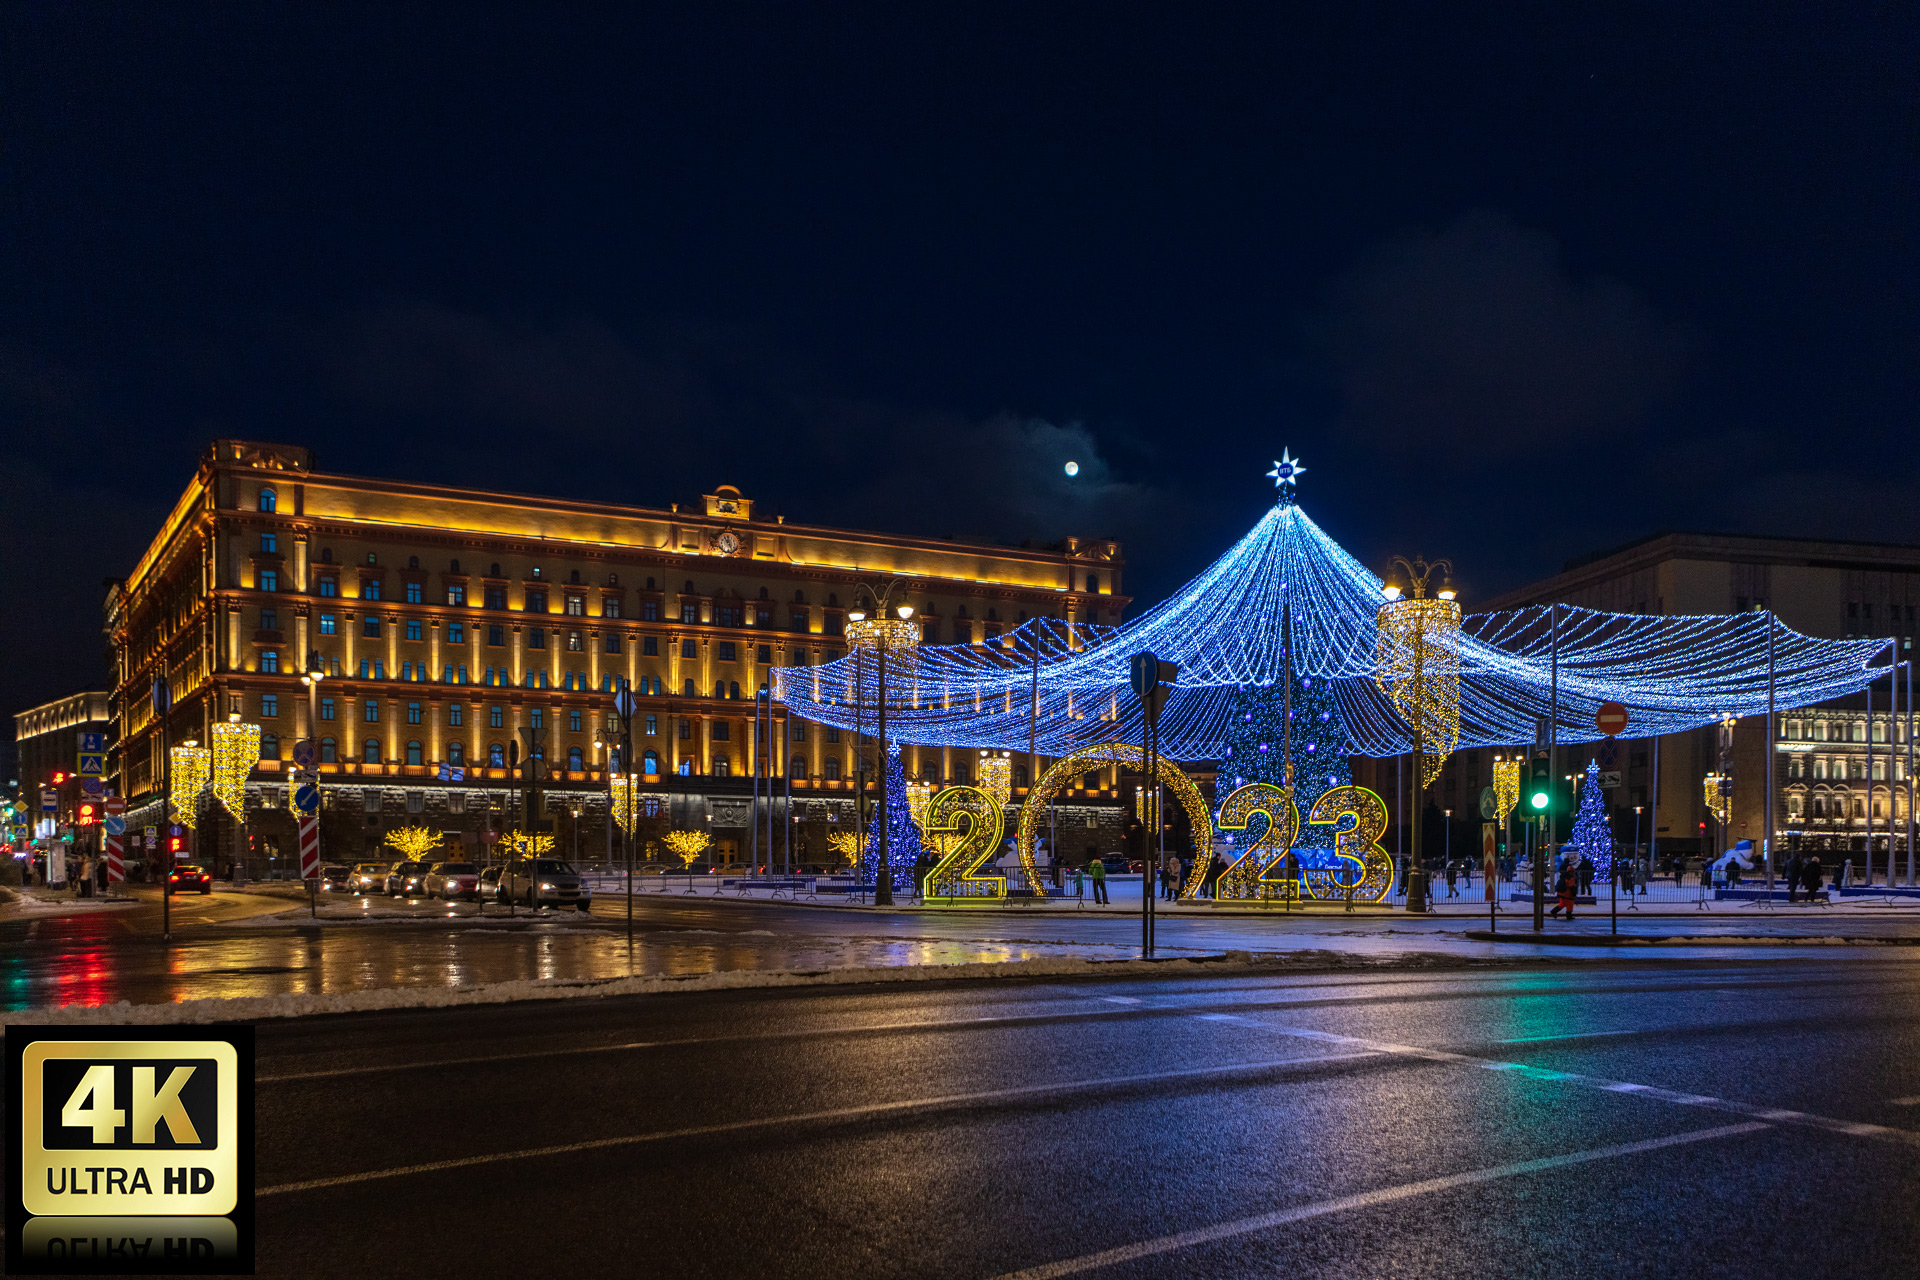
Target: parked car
[
  {"x": 368, "y": 877},
  {"x": 488, "y": 888},
  {"x": 405, "y": 878},
  {"x": 452, "y": 880},
  {"x": 545, "y": 882},
  {"x": 334, "y": 878},
  {"x": 189, "y": 876}
]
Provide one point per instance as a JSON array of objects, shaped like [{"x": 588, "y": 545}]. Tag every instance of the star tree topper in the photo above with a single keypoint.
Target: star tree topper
[{"x": 1286, "y": 473}]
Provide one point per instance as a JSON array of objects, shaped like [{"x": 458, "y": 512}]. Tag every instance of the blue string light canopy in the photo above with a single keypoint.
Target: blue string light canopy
[{"x": 1227, "y": 631}]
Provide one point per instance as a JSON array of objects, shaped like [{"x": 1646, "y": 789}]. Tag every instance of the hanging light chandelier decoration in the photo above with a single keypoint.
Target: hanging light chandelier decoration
[
  {"x": 919, "y": 796},
  {"x": 996, "y": 775},
  {"x": 1419, "y": 662},
  {"x": 626, "y": 800},
  {"x": 188, "y": 770},
  {"x": 1718, "y": 789},
  {"x": 236, "y": 749},
  {"x": 1506, "y": 787}
]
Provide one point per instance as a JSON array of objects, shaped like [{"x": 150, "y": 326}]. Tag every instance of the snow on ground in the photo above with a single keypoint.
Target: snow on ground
[
  {"x": 28, "y": 905},
  {"x": 258, "y": 1008}
]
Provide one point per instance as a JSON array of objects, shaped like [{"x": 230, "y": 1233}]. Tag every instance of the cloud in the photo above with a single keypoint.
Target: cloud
[{"x": 1447, "y": 344}]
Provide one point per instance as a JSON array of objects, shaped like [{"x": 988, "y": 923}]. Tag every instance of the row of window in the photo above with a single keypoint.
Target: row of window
[
  {"x": 1846, "y": 768},
  {"x": 1839, "y": 730},
  {"x": 416, "y": 713},
  {"x": 371, "y": 627},
  {"x": 371, "y": 752}
]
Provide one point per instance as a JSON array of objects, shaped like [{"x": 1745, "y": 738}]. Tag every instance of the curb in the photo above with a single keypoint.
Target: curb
[{"x": 1685, "y": 940}]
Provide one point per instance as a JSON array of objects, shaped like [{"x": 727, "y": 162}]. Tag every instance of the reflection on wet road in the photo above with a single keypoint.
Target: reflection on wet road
[{"x": 260, "y": 944}]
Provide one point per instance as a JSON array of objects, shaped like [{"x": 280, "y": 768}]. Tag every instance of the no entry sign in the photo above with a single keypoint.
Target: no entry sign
[{"x": 1611, "y": 719}]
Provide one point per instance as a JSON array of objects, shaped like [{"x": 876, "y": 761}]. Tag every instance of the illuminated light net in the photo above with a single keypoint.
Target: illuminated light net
[
  {"x": 236, "y": 749},
  {"x": 1034, "y": 811},
  {"x": 1224, "y": 629},
  {"x": 187, "y": 778}
]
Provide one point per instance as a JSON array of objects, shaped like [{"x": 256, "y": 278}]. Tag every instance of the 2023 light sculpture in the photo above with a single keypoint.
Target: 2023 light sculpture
[
  {"x": 1352, "y": 818},
  {"x": 1033, "y": 813},
  {"x": 236, "y": 749},
  {"x": 191, "y": 765}
]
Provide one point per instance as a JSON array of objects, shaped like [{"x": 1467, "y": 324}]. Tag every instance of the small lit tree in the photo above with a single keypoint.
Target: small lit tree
[
  {"x": 415, "y": 843},
  {"x": 846, "y": 844},
  {"x": 688, "y": 845},
  {"x": 1592, "y": 833}
]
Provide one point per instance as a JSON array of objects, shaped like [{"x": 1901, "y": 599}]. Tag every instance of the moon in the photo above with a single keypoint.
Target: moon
[{"x": 1073, "y": 468}]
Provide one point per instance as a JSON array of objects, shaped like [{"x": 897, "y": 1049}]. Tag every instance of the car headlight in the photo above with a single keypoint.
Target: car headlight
[{"x": 545, "y": 887}]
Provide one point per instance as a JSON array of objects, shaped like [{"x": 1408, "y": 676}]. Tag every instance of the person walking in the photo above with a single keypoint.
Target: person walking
[
  {"x": 1811, "y": 877},
  {"x": 1793, "y": 878},
  {"x": 1586, "y": 875},
  {"x": 1097, "y": 871},
  {"x": 1566, "y": 888},
  {"x": 1173, "y": 877},
  {"x": 1453, "y": 877}
]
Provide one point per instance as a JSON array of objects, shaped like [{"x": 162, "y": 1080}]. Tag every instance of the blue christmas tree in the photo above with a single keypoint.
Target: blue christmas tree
[
  {"x": 903, "y": 846},
  {"x": 1592, "y": 833},
  {"x": 1257, "y": 741}
]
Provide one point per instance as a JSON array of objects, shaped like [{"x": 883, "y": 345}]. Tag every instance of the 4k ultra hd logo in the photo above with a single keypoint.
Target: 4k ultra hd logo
[{"x": 131, "y": 1128}]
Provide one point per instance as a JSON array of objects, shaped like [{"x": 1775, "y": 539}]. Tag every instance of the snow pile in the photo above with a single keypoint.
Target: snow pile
[{"x": 259, "y": 1008}]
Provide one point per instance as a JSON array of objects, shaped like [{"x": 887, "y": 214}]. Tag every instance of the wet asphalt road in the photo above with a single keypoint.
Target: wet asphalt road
[
  {"x": 240, "y": 943},
  {"x": 1749, "y": 1120}
]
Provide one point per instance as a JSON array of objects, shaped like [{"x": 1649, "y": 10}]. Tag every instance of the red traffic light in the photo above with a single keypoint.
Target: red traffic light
[
  {"x": 87, "y": 815},
  {"x": 59, "y": 778},
  {"x": 176, "y": 844}
]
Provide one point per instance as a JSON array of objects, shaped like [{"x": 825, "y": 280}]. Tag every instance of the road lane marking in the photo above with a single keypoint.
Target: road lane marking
[
  {"x": 1364, "y": 1200},
  {"x": 1120, "y": 999},
  {"x": 907, "y": 1107},
  {"x": 1571, "y": 1035},
  {"x": 1803, "y": 1119}
]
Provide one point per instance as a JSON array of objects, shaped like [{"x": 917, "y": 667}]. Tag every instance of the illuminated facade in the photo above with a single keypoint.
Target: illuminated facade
[{"x": 448, "y": 620}]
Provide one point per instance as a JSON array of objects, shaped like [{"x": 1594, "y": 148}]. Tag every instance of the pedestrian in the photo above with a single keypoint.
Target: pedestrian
[
  {"x": 1079, "y": 888},
  {"x": 1053, "y": 868},
  {"x": 1625, "y": 869},
  {"x": 1793, "y": 878},
  {"x": 1097, "y": 870},
  {"x": 1811, "y": 878},
  {"x": 1565, "y": 888},
  {"x": 1846, "y": 874},
  {"x": 1587, "y": 870},
  {"x": 1174, "y": 868},
  {"x": 1453, "y": 877}
]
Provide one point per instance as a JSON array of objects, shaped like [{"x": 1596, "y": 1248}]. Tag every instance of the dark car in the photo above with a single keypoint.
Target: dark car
[
  {"x": 334, "y": 879},
  {"x": 405, "y": 879},
  {"x": 189, "y": 876},
  {"x": 545, "y": 881},
  {"x": 452, "y": 880}
]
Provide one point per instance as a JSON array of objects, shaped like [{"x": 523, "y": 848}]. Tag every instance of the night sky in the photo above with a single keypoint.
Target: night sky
[{"x": 1517, "y": 283}]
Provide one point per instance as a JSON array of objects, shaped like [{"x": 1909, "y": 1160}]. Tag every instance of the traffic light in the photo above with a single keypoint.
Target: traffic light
[
  {"x": 59, "y": 778},
  {"x": 176, "y": 844},
  {"x": 1540, "y": 786},
  {"x": 87, "y": 814}
]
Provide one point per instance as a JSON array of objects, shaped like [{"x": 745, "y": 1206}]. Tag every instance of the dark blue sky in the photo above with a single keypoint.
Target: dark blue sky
[{"x": 1518, "y": 282}]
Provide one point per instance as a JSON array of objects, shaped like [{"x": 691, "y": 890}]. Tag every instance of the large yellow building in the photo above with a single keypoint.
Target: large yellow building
[{"x": 446, "y": 620}]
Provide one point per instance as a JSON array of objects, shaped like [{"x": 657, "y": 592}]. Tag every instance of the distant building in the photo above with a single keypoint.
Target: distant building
[
  {"x": 446, "y": 621},
  {"x": 48, "y": 741},
  {"x": 1824, "y": 797}
]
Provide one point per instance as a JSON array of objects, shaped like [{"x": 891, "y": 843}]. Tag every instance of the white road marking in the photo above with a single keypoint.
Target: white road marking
[
  {"x": 1914, "y": 1101},
  {"x": 909, "y": 1106},
  {"x": 1120, "y": 999},
  {"x": 1803, "y": 1119},
  {"x": 1569, "y": 1035},
  {"x": 1364, "y": 1200}
]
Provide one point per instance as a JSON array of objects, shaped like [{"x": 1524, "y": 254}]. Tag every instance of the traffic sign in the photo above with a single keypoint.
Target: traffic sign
[
  {"x": 1609, "y": 781},
  {"x": 1610, "y": 719},
  {"x": 95, "y": 787},
  {"x": 303, "y": 753},
  {"x": 307, "y": 798},
  {"x": 91, "y": 740},
  {"x": 92, "y": 762},
  {"x": 49, "y": 800},
  {"x": 1489, "y": 804},
  {"x": 152, "y": 833}
]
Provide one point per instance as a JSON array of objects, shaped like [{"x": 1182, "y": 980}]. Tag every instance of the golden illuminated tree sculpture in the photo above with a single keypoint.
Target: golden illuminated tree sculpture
[
  {"x": 688, "y": 845},
  {"x": 236, "y": 749},
  {"x": 846, "y": 844},
  {"x": 527, "y": 845},
  {"x": 414, "y": 843},
  {"x": 192, "y": 764}
]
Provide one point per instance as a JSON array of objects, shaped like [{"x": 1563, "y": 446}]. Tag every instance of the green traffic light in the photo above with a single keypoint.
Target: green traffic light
[{"x": 1539, "y": 799}]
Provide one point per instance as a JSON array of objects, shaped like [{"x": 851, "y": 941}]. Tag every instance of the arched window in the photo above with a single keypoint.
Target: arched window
[
  {"x": 1093, "y": 582},
  {"x": 833, "y": 768},
  {"x": 269, "y": 746},
  {"x": 267, "y": 500},
  {"x": 650, "y": 764},
  {"x": 796, "y": 767},
  {"x": 370, "y": 751},
  {"x": 722, "y": 766},
  {"x": 496, "y": 756},
  {"x": 415, "y": 753},
  {"x": 686, "y": 768},
  {"x": 574, "y": 761},
  {"x": 733, "y": 688},
  {"x": 689, "y": 689},
  {"x": 720, "y": 688},
  {"x": 329, "y": 751},
  {"x": 456, "y": 753}
]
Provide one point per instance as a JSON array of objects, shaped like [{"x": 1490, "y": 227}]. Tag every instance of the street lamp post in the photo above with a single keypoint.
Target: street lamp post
[
  {"x": 623, "y": 707},
  {"x": 881, "y": 633},
  {"x": 1424, "y": 681}
]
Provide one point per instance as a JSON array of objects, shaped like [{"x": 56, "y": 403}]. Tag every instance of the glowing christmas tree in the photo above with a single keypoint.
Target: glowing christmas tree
[
  {"x": 903, "y": 844},
  {"x": 1257, "y": 743},
  {"x": 1592, "y": 833}
]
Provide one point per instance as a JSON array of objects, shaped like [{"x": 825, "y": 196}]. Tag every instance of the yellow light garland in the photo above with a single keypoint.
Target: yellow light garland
[
  {"x": 1717, "y": 804},
  {"x": 1506, "y": 787},
  {"x": 1033, "y": 811},
  {"x": 1419, "y": 668},
  {"x": 236, "y": 749},
  {"x": 996, "y": 775},
  {"x": 626, "y": 800},
  {"x": 414, "y": 842},
  {"x": 919, "y": 796},
  {"x": 526, "y": 845},
  {"x": 191, "y": 764}
]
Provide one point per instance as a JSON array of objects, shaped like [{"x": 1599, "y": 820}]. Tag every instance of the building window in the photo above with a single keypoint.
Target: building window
[
  {"x": 649, "y": 611},
  {"x": 832, "y": 764},
  {"x": 326, "y": 708},
  {"x": 610, "y": 607},
  {"x": 269, "y": 705},
  {"x": 329, "y": 751},
  {"x": 537, "y": 717},
  {"x": 496, "y": 717},
  {"x": 416, "y": 593},
  {"x": 269, "y": 580},
  {"x": 536, "y": 637},
  {"x": 720, "y": 688},
  {"x": 370, "y": 627},
  {"x": 726, "y": 651},
  {"x": 688, "y": 691},
  {"x": 496, "y": 756},
  {"x": 722, "y": 767},
  {"x": 270, "y": 662},
  {"x": 415, "y": 756},
  {"x": 413, "y": 713},
  {"x": 414, "y": 629},
  {"x": 328, "y": 587},
  {"x": 833, "y": 734},
  {"x": 766, "y": 653},
  {"x": 536, "y": 601},
  {"x": 496, "y": 637},
  {"x": 456, "y": 595},
  {"x": 722, "y": 731},
  {"x": 370, "y": 751},
  {"x": 496, "y": 597},
  {"x": 686, "y": 730},
  {"x": 574, "y": 643},
  {"x": 329, "y": 624},
  {"x": 573, "y": 722},
  {"x": 575, "y": 763},
  {"x": 456, "y": 715},
  {"x": 267, "y": 500},
  {"x": 689, "y": 612},
  {"x": 613, "y": 642},
  {"x": 650, "y": 646},
  {"x": 733, "y": 688},
  {"x": 796, "y": 621},
  {"x": 370, "y": 589},
  {"x": 688, "y": 651},
  {"x": 650, "y": 726},
  {"x": 650, "y": 763},
  {"x": 799, "y": 731},
  {"x": 576, "y": 605},
  {"x": 371, "y": 712},
  {"x": 457, "y": 756}
]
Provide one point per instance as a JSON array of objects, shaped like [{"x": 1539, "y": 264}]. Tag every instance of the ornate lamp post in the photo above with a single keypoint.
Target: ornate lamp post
[
  {"x": 1419, "y": 669},
  {"x": 881, "y": 634}
]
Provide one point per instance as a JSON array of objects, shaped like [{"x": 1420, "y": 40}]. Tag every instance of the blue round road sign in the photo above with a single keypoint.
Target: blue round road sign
[{"x": 307, "y": 798}]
